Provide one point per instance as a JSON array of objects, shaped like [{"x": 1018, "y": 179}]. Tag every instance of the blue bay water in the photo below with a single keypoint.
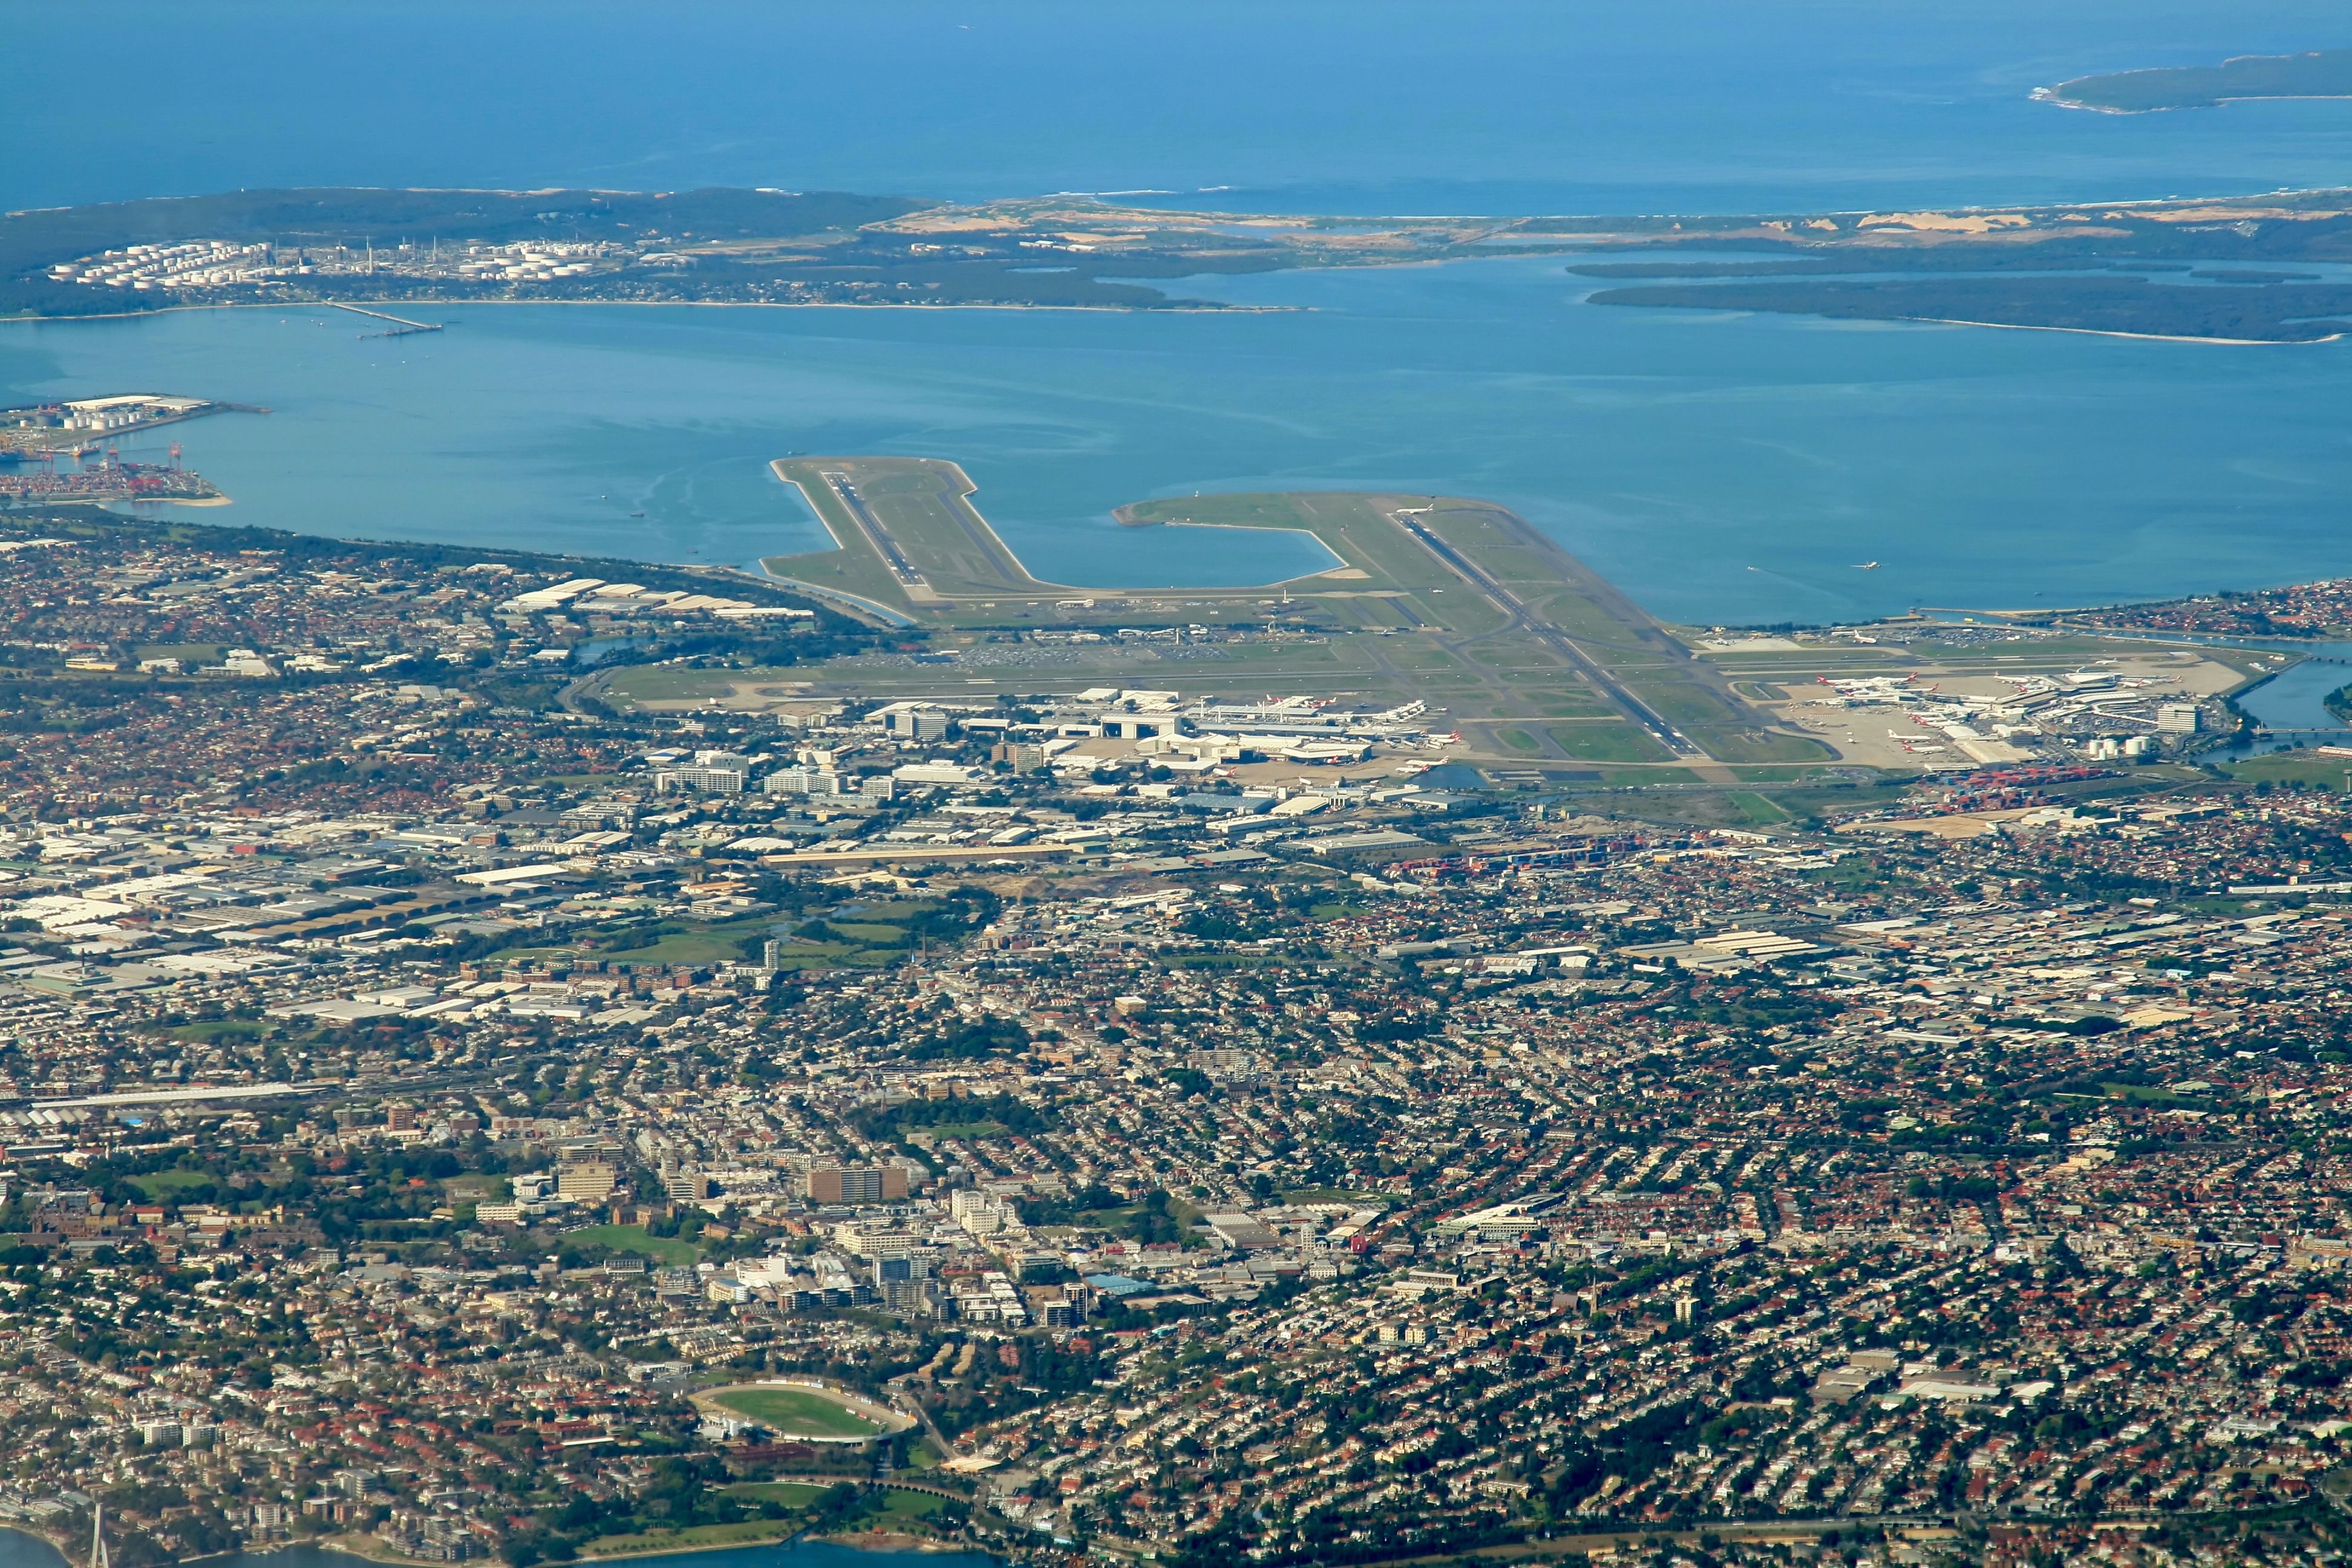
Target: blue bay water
[{"x": 1721, "y": 468}]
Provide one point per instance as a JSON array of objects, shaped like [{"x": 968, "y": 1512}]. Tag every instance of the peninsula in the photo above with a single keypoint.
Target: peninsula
[
  {"x": 2226, "y": 271},
  {"x": 2322, "y": 73},
  {"x": 396, "y": 247},
  {"x": 2233, "y": 269}
]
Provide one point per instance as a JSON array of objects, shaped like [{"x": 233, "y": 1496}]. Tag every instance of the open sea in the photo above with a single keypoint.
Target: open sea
[{"x": 1721, "y": 468}]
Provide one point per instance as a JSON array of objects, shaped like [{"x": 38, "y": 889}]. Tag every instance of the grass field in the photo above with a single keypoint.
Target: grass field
[
  {"x": 164, "y": 1185},
  {"x": 1739, "y": 745},
  {"x": 791, "y": 1494},
  {"x": 1271, "y": 508},
  {"x": 967, "y": 1129},
  {"x": 666, "y": 1251},
  {"x": 1614, "y": 742},
  {"x": 697, "y": 1538},
  {"x": 2306, "y": 768},
  {"x": 212, "y": 1029},
  {"x": 797, "y": 1412},
  {"x": 703, "y": 944},
  {"x": 896, "y": 1508},
  {"x": 900, "y": 1506},
  {"x": 1756, "y": 808},
  {"x": 687, "y": 942}
]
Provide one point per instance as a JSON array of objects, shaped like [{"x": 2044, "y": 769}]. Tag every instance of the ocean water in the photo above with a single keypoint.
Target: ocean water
[
  {"x": 1486, "y": 106},
  {"x": 1721, "y": 468}
]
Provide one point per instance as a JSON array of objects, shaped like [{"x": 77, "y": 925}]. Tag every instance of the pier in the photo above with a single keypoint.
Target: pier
[{"x": 401, "y": 326}]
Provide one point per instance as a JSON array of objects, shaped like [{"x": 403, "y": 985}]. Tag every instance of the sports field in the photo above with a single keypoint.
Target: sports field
[{"x": 798, "y": 1412}]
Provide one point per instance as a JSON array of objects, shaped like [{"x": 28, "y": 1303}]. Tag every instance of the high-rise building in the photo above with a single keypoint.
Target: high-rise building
[
  {"x": 806, "y": 779},
  {"x": 909, "y": 724},
  {"x": 856, "y": 1184},
  {"x": 585, "y": 1181},
  {"x": 711, "y": 780}
]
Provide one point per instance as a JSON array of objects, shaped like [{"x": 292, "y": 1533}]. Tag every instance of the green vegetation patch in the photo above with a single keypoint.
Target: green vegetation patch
[
  {"x": 1735, "y": 745},
  {"x": 1644, "y": 778},
  {"x": 2321, "y": 73},
  {"x": 212, "y": 1029},
  {"x": 1757, "y": 809},
  {"x": 1264, "y": 511},
  {"x": 657, "y": 683},
  {"x": 698, "y": 1537},
  {"x": 163, "y": 1186},
  {"x": 791, "y": 1494},
  {"x": 899, "y": 1506},
  {"x": 683, "y": 943},
  {"x": 968, "y": 1130},
  {"x": 2300, "y": 768},
  {"x": 632, "y": 1238},
  {"x": 877, "y": 937},
  {"x": 1612, "y": 742},
  {"x": 798, "y": 1413}
]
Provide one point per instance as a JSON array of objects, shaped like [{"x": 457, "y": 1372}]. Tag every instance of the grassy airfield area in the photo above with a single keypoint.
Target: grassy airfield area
[{"x": 1454, "y": 602}]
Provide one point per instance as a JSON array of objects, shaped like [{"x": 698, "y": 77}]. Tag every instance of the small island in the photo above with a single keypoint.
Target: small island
[{"x": 2322, "y": 73}]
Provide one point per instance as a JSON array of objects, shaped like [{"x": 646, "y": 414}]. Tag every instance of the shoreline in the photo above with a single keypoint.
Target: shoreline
[
  {"x": 1038, "y": 587},
  {"x": 1104, "y": 309},
  {"x": 2097, "y": 332},
  {"x": 2050, "y": 95},
  {"x": 1561, "y": 242},
  {"x": 874, "y": 1542},
  {"x": 1200, "y": 309}
]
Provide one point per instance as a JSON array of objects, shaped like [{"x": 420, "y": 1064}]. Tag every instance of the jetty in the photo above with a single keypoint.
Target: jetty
[{"x": 401, "y": 326}]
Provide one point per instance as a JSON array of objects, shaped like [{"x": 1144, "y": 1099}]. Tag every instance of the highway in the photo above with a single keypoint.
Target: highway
[{"x": 1552, "y": 637}]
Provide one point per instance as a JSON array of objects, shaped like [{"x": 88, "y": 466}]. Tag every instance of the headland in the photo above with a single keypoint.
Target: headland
[{"x": 2318, "y": 73}]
